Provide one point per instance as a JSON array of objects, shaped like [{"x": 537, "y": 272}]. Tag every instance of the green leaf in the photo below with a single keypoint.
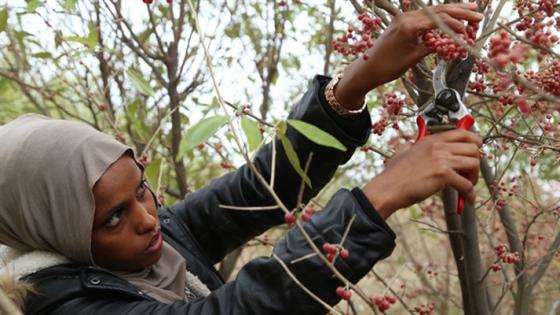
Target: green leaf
[
  {"x": 3, "y": 19},
  {"x": 32, "y": 5},
  {"x": 316, "y": 135},
  {"x": 90, "y": 41},
  {"x": 200, "y": 132},
  {"x": 77, "y": 39},
  {"x": 69, "y": 5},
  {"x": 136, "y": 114},
  {"x": 290, "y": 152},
  {"x": 251, "y": 129},
  {"x": 139, "y": 82},
  {"x": 93, "y": 36},
  {"x": 42, "y": 55},
  {"x": 152, "y": 173}
]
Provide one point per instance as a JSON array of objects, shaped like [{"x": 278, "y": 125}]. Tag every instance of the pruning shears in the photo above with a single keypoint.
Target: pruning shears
[{"x": 446, "y": 110}]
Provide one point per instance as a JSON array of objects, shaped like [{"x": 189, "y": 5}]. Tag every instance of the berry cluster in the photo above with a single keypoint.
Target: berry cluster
[
  {"x": 537, "y": 26},
  {"x": 547, "y": 6},
  {"x": 384, "y": 302},
  {"x": 343, "y": 293},
  {"x": 480, "y": 67},
  {"x": 392, "y": 104},
  {"x": 547, "y": 78},
  {"x": 425, "y": 309},
  {"x": 478, "y": 86},
  {"x": 379, "y": 127},
  {"x": 501, "y": 53},
  {"x": 447, "y": 48},
  {"x": 506, "y": 256},
  {"x": 332, "y": 250},
  {"x": 500, "y": 189},
  {"x": 355, "y": 42},
  {"x": 499, "y": 45}
]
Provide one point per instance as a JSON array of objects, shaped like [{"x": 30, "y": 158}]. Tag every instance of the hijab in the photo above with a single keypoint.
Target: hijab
[{"x": 48, "y": 168}]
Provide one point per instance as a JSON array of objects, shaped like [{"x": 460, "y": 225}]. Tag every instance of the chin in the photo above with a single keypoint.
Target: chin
[{"x": 153, "y": 259}]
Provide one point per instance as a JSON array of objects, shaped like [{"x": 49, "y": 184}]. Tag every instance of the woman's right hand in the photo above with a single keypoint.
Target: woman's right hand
[
  {"x": 397, "y": 49},
  {"x": 425, "y": 168}
]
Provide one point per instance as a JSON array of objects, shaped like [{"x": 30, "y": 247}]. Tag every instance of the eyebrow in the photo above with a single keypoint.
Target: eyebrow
[{"x": 122, "y": 204}]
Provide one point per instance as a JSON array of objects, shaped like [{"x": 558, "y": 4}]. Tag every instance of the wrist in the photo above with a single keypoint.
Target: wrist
[
  {"x": 380, "y": 195},
  {"x": 340, "y": 109},
  {"x": 348, "y": 93}
]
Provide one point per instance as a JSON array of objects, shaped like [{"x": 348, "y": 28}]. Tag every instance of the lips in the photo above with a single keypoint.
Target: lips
[{"x": 155, "y": 243}]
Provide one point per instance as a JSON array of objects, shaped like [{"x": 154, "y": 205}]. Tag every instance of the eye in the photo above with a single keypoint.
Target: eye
[{"x": 114, "y": 219}]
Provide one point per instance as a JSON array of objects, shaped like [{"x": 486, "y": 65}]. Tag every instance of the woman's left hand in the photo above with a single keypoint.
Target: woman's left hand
[{"x": 397, "y": 49}]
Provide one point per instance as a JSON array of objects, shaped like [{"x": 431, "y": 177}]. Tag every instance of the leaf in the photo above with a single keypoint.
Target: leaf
[
  {"x": 152, "y": 173},
  {"x": 3, "y": 19},
  {"x": 290, "y": 152},
  {"x": 200, "y": 132},
  {"x": 251, "y": 129},
  {"x": 90, "y": 41},
  {"x": 32, "y": 5},
  {"x": 69, "y": 5},
  {"x": 136, "y": 115},
  {"x": 93, "y": 36},
  {"x": 42, "y": 55},
  {"x": 316, "y": 135},
  {"x": 139, "y": 82}
]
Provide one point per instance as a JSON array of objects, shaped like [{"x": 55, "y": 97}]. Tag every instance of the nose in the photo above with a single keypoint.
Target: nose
[{"x": 144, "y": 221}]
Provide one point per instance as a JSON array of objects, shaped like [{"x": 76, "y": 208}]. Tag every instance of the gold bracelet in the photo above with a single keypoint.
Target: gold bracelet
[{"x": 335, "y": 105}]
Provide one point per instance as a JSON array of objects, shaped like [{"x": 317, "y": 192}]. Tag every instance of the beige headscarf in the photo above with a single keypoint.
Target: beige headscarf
[{"x": 48, "y": 168}]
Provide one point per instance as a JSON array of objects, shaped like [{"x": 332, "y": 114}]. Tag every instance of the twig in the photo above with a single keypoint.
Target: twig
[
  {"x": 296, "y": 280},
  {"x": 264, "y": 208}
]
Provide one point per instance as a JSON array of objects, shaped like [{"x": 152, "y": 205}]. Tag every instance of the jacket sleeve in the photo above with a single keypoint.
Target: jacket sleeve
[
  {"x": 220, "y": 230},
  {"x": 262, "y": 286}
]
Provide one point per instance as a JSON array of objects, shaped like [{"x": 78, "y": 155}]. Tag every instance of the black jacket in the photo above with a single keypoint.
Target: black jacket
[{"x": 203, "y": 233}]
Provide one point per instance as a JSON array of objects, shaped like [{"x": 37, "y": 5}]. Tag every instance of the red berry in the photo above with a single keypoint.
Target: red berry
[
  {"x": 343, "y": 293},
  {"x": 289, "y": 218},
  {"x": 391, "y": 299},
  {"x": 344, "y": 253},
  {"x": 329, "y": 248}
]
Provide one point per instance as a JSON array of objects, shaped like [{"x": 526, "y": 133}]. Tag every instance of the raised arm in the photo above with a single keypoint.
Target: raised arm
[{"x": 221, "y": 230}]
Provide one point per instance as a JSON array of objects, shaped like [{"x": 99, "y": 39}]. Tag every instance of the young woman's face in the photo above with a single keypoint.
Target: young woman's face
[{"x": 126, "y": 231}]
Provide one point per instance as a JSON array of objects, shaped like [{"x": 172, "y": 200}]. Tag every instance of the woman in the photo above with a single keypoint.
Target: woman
[{"x": 81, "y": 225}]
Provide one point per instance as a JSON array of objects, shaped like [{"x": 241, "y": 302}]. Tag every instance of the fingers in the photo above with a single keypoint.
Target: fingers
[
  {"x": 457, "y": 135},
  {"x": 463, "y": 186},
  {"x": 454, "y": 24},
  {"x": 453, "y": 16},
  {"x": 461, "y": 12},
  {"x": 463, "y": 149}
]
